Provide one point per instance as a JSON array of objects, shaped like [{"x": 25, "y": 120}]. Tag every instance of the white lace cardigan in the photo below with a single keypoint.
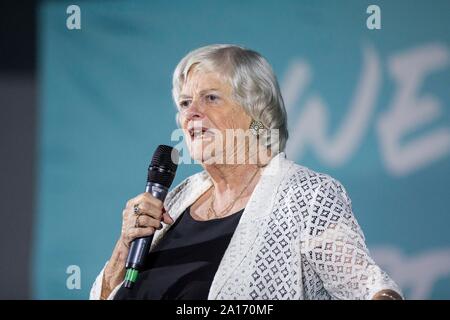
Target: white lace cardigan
[{"x": 297, "y": 239}]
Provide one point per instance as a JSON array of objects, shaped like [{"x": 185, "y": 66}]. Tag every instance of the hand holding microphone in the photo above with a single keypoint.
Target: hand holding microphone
[
  {"x": 161, "y": 173},
  {"x": 133, "y": 226},
  {"x": 142, "y": 216}
]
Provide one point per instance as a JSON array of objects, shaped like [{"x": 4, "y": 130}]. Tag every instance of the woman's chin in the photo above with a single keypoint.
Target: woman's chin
[
  {"x": 197, "y": 152},
  {"x": 203, "y": 155}
]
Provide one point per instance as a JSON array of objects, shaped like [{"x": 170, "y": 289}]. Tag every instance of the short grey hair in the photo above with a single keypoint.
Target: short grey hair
[{"x": 254, "y": 84}]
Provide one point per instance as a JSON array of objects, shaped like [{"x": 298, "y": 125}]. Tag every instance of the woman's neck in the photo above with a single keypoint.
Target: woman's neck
[
  {"x": 230, "y": 178},
  {"x": 232, "y": 187},
  {"x": 233, "y": 177}
]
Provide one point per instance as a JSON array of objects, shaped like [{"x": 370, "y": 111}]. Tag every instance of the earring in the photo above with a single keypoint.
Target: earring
[{"x": 255, "y": 127}]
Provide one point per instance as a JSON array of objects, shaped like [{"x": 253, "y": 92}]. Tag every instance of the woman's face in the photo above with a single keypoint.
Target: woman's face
[{"x": 207, "y": 112}]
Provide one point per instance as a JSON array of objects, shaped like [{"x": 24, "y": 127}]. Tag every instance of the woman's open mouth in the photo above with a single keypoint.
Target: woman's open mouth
[{"x": 197, "y": 133}]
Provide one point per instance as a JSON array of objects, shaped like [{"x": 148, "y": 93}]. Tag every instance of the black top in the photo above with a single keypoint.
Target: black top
[{"x": 183, "y": 264}]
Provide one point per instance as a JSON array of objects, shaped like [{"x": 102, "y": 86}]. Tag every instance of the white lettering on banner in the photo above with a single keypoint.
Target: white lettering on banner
[
  {"x": 312, "y": 124},
  {"x": 297, "y": 78},
  {"x": 406, "y": 113},
  {"x": 419, "y": 273}
]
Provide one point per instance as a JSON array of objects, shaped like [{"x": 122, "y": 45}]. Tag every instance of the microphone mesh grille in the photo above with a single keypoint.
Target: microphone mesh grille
[{"x": 164, "y": 165}]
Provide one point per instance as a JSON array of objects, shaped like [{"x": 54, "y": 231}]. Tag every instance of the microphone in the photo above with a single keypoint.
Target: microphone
[{"x": 161, "y": 173}]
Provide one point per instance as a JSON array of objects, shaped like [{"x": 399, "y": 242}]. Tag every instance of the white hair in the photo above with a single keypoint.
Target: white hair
[{"x": 254, "y": 84}]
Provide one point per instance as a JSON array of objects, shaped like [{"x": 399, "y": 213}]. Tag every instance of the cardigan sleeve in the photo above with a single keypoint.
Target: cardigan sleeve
[{"x": 334, "y": 253}]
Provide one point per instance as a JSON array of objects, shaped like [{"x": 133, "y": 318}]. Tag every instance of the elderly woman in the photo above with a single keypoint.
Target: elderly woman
[{"x": 260, "y": 227}]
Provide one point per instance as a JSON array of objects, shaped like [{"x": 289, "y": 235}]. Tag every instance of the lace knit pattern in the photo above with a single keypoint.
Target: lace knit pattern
[{"x": 310, "y": 247}]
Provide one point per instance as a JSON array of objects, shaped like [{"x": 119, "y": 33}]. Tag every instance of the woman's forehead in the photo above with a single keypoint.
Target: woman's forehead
[{"x": 198, "y": 80}]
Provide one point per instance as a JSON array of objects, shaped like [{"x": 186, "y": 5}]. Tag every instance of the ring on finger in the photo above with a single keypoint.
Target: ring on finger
[{"x": 136, "y": 209}]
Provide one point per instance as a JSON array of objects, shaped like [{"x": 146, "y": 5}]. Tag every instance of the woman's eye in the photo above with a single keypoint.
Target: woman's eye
[
  {"x": 184, "y": 104},
  {"x": 211, "y": 97}
]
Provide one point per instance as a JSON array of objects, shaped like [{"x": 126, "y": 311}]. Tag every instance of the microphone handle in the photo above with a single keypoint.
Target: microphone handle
[{"x": 140, "y": 247}]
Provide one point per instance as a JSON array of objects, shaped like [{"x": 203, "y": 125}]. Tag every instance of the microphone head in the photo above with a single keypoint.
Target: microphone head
[{"x": 163, "y": 166}]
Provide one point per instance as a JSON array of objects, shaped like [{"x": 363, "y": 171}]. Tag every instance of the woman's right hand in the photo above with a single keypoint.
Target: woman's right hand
[{"x": 150, "y": 213}]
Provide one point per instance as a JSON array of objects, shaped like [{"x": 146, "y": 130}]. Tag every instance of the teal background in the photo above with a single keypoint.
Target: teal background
[{"x": 105, "y": 104}]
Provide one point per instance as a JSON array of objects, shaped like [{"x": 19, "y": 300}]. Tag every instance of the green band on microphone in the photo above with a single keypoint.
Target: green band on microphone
[{"x": 131, "y": 275}]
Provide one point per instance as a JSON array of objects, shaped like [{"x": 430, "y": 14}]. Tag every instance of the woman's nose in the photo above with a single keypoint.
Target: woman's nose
[{"x": 194, "y": 112}]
